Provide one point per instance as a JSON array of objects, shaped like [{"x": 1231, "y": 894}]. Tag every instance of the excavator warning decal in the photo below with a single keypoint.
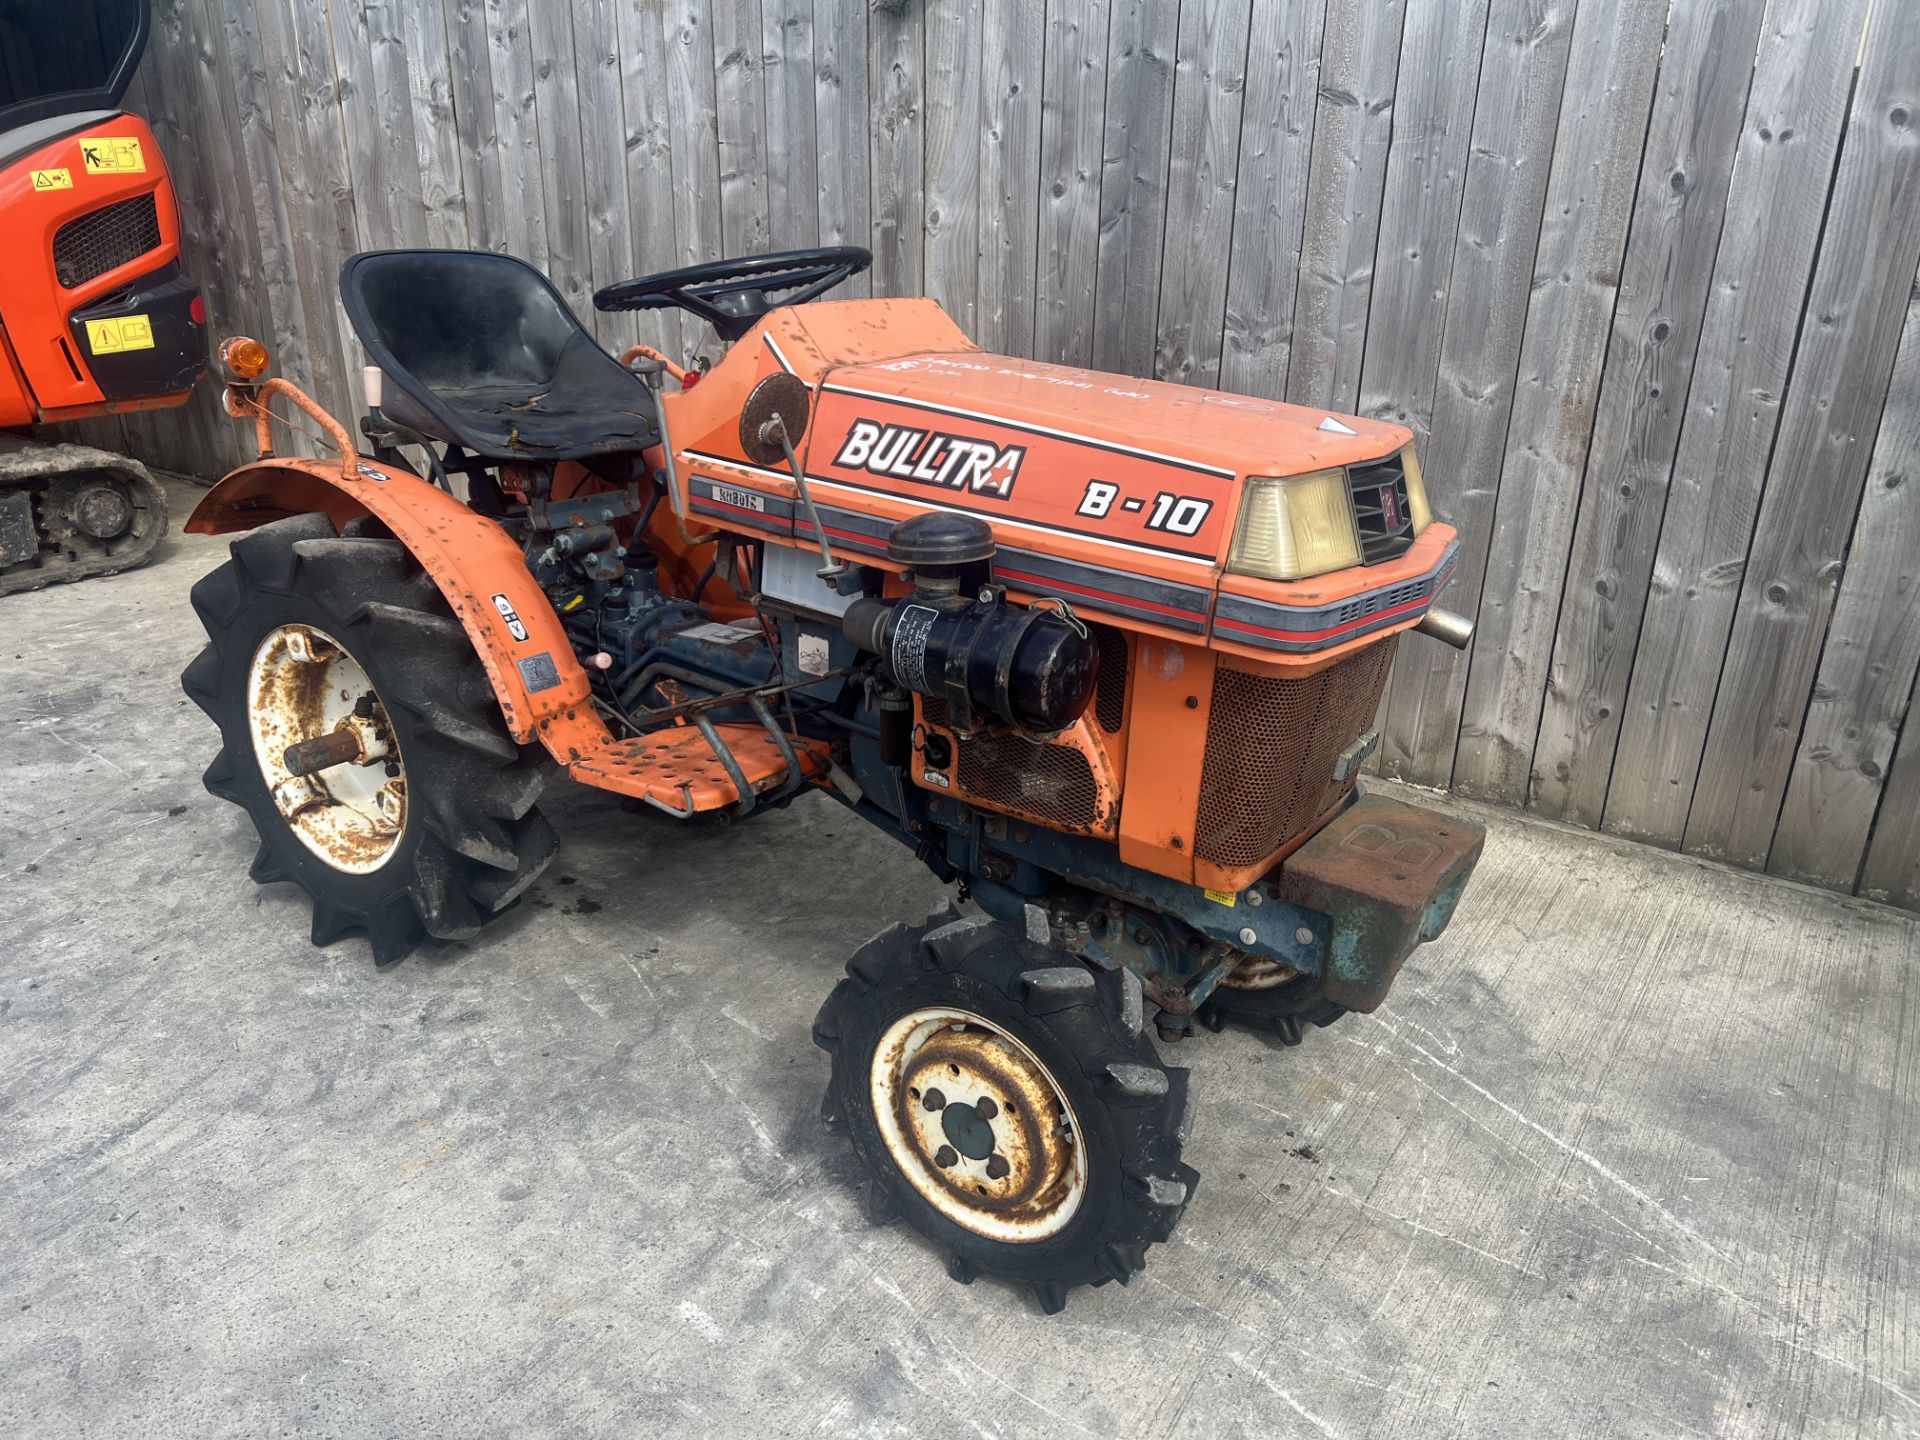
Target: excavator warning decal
[
  {"x": 52, "y": 179},
  {"x": 123, "y": 332},
  {"x": 113, "y": 155}
]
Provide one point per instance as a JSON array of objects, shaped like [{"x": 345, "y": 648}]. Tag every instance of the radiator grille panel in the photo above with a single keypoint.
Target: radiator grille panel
[
  {"x": 1271, "y": 748},
  {"x": 1110, "y": 701},
  {"x": 1381, "y": 509},
  {"x": 1052, "y": 784},
  {"x": 87, "y": 248}
]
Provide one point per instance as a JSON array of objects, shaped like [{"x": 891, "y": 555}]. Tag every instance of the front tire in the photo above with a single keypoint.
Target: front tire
[
  {"x": 310, "y": 630},
  {"x": 1006, "y": 1103}
]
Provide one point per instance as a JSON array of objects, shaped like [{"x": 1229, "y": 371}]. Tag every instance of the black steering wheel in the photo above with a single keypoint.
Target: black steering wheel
[{"x": 731, "y": 294}]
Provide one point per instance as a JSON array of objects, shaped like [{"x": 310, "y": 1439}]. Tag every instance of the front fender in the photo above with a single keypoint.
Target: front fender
[{"x": 541, "y": 687}]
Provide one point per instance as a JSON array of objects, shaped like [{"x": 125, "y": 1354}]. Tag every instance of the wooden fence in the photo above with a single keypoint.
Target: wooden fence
[{"x": 1643, "y": 279}]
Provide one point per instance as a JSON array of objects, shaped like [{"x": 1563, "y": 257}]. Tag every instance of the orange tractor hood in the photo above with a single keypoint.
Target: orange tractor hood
[{"x": 1116, "y": 495}]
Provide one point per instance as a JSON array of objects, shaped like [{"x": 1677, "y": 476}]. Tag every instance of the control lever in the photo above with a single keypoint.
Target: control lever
[{"x": 774, "y": 432}]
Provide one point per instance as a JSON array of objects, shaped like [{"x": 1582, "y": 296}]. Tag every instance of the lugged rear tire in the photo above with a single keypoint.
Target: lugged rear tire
[
  {"x": 471, "y": 841},
  {"x": 1282, "y": 1013},
  {"x": 1084, "y": 1032}
]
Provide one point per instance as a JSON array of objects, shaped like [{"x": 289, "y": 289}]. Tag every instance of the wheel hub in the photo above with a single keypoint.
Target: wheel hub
[
  {"x": 304, "y": 685},
  {"x": 978, "y": 1125}
]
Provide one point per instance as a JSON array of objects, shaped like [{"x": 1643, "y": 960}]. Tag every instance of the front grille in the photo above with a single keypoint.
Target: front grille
[
  {"x": 89, "y": 247},
  {"x": 1050, "y": 784},
  {"x": 1380, "y": 507},
  {"x": 1271, "y": 748},
  {"x": 1110, "y": 700}
]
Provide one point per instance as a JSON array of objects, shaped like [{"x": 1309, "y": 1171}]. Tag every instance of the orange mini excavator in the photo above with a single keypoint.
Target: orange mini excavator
[{"x": 96, "y": 317}]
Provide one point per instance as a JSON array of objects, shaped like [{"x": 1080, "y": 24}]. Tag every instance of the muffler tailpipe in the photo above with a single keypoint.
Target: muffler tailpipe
[{"x": 1447, "y": 627}]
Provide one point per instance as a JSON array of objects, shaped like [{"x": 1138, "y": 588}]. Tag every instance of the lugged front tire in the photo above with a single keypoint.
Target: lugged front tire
[
  {"x": 463, "y": 840},
  {"x": 950, "y": 1041}
]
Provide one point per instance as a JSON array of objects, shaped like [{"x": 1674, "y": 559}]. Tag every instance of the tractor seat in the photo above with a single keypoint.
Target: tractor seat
[{"x": 480, "y": 351}]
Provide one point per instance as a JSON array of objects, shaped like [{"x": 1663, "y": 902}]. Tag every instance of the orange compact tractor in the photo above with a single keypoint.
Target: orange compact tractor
[
  {"x": 1104, "y": 652},
  {"x": 96, "y": 317}
]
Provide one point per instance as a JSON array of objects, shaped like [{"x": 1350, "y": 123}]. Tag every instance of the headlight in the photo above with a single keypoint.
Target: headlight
[
  {"x": 1417, "y": 507},
  {"x": 1296, "y": 527}
]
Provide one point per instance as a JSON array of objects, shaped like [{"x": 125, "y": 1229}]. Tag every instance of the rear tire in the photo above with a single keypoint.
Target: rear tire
[
  {"x": 1000, "y": 1184},
  {"x": 469, "y": 840}
]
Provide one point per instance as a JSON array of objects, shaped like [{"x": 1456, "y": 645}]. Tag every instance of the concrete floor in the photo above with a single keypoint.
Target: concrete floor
[{"x": 1631, "y": 1152}]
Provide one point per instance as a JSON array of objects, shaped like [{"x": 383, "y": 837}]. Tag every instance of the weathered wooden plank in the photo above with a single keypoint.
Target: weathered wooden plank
[
  {"x": 1795, "y": 110},
  {"x": 840, "y": 103},
  {"x": 1872, "y": 653},
  {"x": 1681, "y": 202},
  {"x": 740, "y": 104},
  {"x": 645, "y": 85},
  {"x": 1270, "y": 194},
  {"x": 1521, "y": 74},
  {"x": 1012, "y": 39},
  {"x": 522, "y": 225},
  {"x": 1892, "y": 869},
  {"x": 470, "y": 89},
  {"x": 896, "y": 36},
  {"x": 1420, "y": 210},
  {"x": 1211, "y": 65},
  {"x": 563, "y": 174},
  {"x": 696, "y": 154},
  {"x": 1135, "y": 153},
  {"x": 1353, "y": 123},
  {"x": 241, "y": 56},
  {"x": 436, "y": 136},
  {"x": 1576, "y": 273},
  {"x": 604, "y": 134},
  {"x": 1072, "y": 107},
  {"x": 1868, "y": 252},
  {"x": 954, "y": 111},
  {"x": 787, "y": 84},
  {"x": 370, "y": 61}
]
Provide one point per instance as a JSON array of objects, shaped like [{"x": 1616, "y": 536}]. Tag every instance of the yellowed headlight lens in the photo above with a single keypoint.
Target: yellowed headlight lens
[
  {"x": 1417, "y": 506},
  {"x": 1295, "y": 527}
]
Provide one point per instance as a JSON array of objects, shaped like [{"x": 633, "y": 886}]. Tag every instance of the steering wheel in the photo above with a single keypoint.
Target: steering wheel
[{"x": 731, "y": 295}]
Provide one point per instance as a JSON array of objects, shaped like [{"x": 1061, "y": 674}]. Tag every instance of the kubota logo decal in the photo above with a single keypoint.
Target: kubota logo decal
[{"x": 932, "y": 457}]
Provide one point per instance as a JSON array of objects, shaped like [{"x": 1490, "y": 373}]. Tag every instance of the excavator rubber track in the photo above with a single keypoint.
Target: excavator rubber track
[{"x": 68, "y": 512}]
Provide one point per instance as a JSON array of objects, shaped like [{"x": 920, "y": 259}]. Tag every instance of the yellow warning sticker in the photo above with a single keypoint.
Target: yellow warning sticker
[
  {"x": 52, "y": 179},
  {"x": 113, "y": 155},
  {"x": 1219, "y": 897},
  {"x": 126, "y": 332}
]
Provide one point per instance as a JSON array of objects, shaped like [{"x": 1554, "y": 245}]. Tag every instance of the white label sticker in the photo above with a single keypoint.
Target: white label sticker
[
  {"x": 515, "y": 627},
  {"x": 814, "y": 655},
  {"x": 909, "y": 653},
  {"x": 722, "y": 634}
]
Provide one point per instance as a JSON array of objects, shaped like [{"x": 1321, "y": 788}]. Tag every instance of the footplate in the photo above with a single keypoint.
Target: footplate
[{"x": 1388, "y": 876}]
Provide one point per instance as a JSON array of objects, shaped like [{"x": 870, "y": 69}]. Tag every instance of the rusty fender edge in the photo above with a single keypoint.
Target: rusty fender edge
[
  {"x": 478, "y": 567},
  {"x": 1388, "y": 876}
]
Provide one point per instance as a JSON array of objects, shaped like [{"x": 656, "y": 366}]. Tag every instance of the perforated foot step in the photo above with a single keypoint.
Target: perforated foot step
[{"x": 678, "y": 771}]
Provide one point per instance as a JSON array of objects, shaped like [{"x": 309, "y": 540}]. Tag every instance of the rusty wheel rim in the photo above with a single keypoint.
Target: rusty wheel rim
[
  {"x": 303, "y": 684},
  {"x": 978, "y": 1125},
  {"x": 1256, "y": 972}
]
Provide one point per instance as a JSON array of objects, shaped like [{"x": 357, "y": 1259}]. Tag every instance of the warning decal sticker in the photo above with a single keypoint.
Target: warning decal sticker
[
  {"x": 53, "y": 179},
  {"x": 125, "y": 332},
  {"x": 113, "y": 155}
]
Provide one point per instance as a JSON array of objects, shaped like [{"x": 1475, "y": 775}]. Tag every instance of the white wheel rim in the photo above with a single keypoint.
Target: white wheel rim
[
  {"x": 1013, "y": 1168},
  {"x": 302, "y": 685}
]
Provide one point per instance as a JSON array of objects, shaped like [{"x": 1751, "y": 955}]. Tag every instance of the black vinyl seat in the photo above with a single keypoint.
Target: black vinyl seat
[{"x": 479, "y": 350}]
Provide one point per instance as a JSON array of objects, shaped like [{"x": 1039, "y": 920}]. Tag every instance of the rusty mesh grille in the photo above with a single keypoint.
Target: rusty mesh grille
[
  {"x": 1110, "y": 700},
  {"x": 1051, "y": 784},
  {"x": 90, "y": 246},
  {"x": 1271, "y": 748}
]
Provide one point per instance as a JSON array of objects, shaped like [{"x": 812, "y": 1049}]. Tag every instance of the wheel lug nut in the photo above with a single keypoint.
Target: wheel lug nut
[
  {"x": 997, "y": 1167},
  {"x": 986, "y": 1109},
  {"x": 946, "y": 1157},
  {"x": 935, "y": 1101}
]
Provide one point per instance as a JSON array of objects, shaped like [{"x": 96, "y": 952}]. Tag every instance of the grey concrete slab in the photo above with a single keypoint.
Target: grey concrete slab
[{"x": 1631, "y": 1152}]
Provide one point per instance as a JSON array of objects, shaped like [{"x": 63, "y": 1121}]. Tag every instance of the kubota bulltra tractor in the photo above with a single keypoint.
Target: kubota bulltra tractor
[
  {"x": 1104, "y": 652},
  {"x": 96, "y": 317}
]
